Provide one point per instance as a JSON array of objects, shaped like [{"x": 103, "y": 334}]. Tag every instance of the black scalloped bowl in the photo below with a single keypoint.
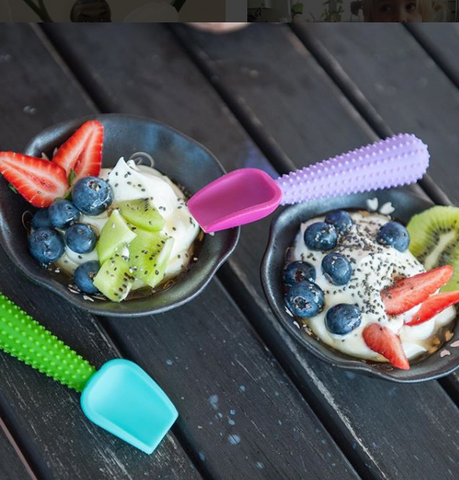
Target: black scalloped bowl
[
  {"x": 179, "y": 157},
  {"x": 284, "y": 229}
]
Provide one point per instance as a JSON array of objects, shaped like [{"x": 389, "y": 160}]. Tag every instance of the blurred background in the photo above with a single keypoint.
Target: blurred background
[{"x": 339, "y": 10}]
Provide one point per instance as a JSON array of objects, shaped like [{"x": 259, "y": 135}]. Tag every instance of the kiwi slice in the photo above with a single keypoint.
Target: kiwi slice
[
  {"x": 115, "y": 235},
  {"x": 435, "y": 240},
  {"x": 142, "y": 213},
  {"x": 114, "y": 278},
  {"x": 149, "y": 253}
]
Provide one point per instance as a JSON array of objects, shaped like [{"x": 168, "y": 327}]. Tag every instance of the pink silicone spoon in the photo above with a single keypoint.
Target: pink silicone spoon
[{"x": 249, "y": 194}]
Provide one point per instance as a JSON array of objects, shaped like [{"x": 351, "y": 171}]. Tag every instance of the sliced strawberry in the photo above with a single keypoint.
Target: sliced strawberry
[
  {"x": 409, "y": 292},
  {"x": 38, "y": 181},
  {"x": 385, "y": 342},
  {"x": 82, "y": 152},
  {"x": 433, "y": 306}
]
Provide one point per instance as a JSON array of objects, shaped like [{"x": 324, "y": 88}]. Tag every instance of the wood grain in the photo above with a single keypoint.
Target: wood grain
[
  {"x": 372, "y": 427},
  {"x": 44, "y": 417},
  {"x": 211, "y": 349}
]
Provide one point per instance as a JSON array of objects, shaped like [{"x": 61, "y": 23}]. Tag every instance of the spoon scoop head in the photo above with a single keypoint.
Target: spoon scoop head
[
  {"x": 124, "y": 400},
  {"x": 240, "y": 197}
]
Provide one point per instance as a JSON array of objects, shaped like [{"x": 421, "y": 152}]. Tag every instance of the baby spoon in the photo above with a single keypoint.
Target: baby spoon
[
  {"x": 120, "y": 397},
  {"x": 249, "y": 194}
]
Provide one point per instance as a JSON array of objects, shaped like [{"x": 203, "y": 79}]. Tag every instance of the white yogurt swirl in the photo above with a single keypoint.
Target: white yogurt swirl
[
  {"x": 375, "y": 267},
  {"x": 130, "y": 181}
]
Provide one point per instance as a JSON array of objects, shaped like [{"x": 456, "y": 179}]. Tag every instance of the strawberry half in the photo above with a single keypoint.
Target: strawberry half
[
  {"x": 38, "y": 181},
  {"x": 82, "y": 152},
  {"x": 434, "y": 305},
  {"x": 409, "y": 292},
  {"x": 384, "y": 341}
]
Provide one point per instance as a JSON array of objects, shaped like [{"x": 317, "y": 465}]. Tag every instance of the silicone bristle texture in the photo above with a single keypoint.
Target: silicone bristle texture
[
  {"x": 395, "y": 161},
  {"x": 24, "y": 338}
]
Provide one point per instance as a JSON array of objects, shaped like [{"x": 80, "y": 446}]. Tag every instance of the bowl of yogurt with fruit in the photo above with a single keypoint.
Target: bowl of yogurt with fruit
[
  {"x": 343, "y": 281},
  {"x": 97, "y": 212}
]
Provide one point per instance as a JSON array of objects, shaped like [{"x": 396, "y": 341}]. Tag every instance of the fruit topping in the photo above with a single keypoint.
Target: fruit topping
[
  {"x": 148, "y": 256},
  {"x": 435, "y": 237},
  {"x": 336, "y": 268},
  {"x": 80, "y": 238},
  {"x": 92, "y": 195},
  {"x": 434, "y": 305},
  {"x": 84, "y": 276},
  {"x": 115, "y": 236},
  {"x": 305, "y": 299},
  {"x": 341, "y": 319},
  {"x": 142, "y": 213},
  {"x": 63, "y": 213},
  {"x": 38, "y": 181},
  {"x": 409, "y": 292},
  {"x": 340, "y": 219},
  {"x": 395, "y": 235},
  {"x": 46, "y": 245},
  {"x": 320, "y": 236},
  {"x": 82, "y": 152},
  {"x": 385, "y": 342},
  {"x": 41, "y": 219},
  {"x": 296, "y": 272},
  {"x": 114, "y": 278}
]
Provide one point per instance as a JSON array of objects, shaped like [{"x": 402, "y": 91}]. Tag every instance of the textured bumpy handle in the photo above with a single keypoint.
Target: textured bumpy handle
[
  {"x": 24, "y": 338},
  {"x": 398, "y": 160}
]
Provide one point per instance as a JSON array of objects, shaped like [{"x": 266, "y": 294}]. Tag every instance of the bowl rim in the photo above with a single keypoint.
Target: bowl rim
[
  {"x": 100, "y": 308},
  {"x": 309, "y": 342}
]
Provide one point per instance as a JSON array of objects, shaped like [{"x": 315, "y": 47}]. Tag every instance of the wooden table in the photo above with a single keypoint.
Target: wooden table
[{"x": 253, "y": 405}]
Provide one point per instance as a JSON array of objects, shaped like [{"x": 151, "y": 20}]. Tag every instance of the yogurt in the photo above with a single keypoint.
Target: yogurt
[
  {"x": 130, "y": 181},
  {"x": 375, "y": 267}
]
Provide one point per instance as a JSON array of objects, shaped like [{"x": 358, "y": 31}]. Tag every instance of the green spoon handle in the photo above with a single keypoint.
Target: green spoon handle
[{"x": 24, "y": 338}]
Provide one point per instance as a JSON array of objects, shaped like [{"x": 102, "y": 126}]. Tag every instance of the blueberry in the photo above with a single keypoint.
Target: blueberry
[
  {"x": 92, "y": 195},
  {"x": 337, "y": 268},
  {"x": 342, "y": 319},
  {"x": 62, "y": 213},
  {"x": 84, "y": 276},
  {"x": 80, "y": 238},
  {"x": 395, "y": 235},
  {"x": 340, "y": 219},
  {"x": 46, "y": 245},
  {"x": 305, "y": 299},
  {"x": 296, "y": 272},
  {"x": 320, "y": 236},
  {"x": 41, "y": 219}
]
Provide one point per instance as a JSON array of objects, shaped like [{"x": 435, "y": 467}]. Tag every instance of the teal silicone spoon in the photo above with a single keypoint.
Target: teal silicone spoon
[{"x": 120, "y": 397}]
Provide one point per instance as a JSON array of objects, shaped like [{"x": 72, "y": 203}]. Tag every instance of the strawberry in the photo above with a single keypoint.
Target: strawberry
[
  {"x": 385, "y": 342},
  {"x": 38, "y": 181},
  {"x": 82, "y": 152},
  {"x": 409, "y": 292},
  {"x": 432, "y": 306}
]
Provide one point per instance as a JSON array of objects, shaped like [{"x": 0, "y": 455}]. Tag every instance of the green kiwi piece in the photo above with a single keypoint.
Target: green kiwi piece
[
  {"x": 142, "y": 213},
  {"x": 149, "y": 253},
  {"x": 435, "y": 240},
  {"x": 114, "y": 278},
  {"x": 115, "y": 235}
]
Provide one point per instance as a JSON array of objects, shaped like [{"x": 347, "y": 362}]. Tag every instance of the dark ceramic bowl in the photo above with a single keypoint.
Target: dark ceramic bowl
[
  {"x": 185, "y": 161},
  {"x": 283, "y": 232}
]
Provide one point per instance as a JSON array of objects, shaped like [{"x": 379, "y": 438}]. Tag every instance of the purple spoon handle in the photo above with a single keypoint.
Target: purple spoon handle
[{"x": 398, "y": 160}]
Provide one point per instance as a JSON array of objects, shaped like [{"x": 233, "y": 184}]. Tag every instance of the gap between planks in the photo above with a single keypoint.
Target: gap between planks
[{"x": 63, "y": 56}]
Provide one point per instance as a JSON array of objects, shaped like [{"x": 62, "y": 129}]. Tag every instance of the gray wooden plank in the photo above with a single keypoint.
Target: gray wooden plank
[
  {"x": 426, "y": 89},
  {"x": 361, "y": 413},
  {"x": 276, "y": 80},
  {"x": 279, "y": 435},
  {"x": 403, "y": 88},
  {"x": 13, "y": 465},
  {"x": 44, "y": 417}
]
